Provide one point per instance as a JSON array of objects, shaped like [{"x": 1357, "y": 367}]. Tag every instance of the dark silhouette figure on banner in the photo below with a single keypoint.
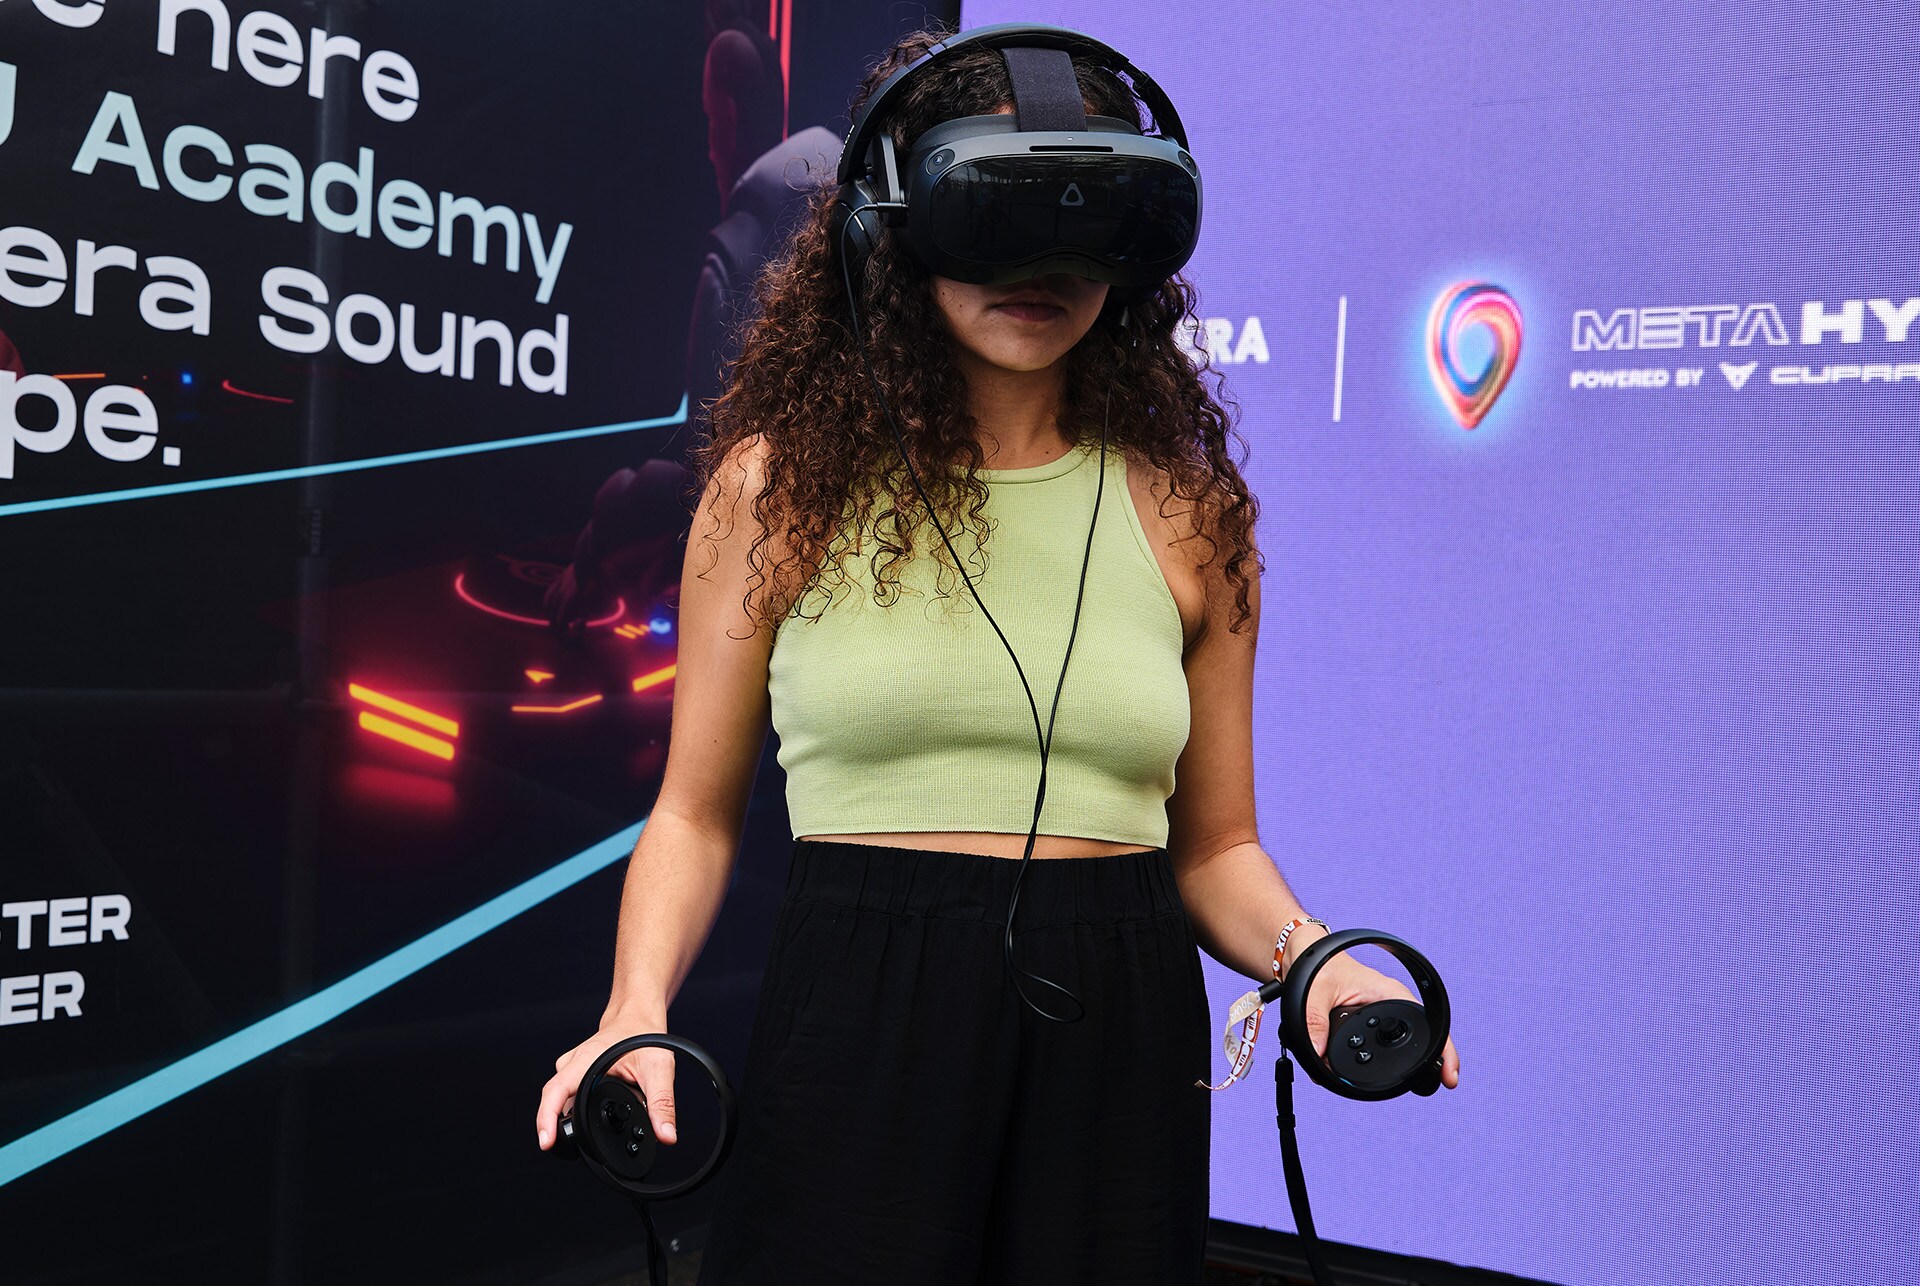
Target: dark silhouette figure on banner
[{"x": 630, "y": 547}]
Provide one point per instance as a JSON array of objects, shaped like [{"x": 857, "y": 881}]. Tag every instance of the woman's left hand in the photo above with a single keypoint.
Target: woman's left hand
[{"x": 1344, "y": 983}]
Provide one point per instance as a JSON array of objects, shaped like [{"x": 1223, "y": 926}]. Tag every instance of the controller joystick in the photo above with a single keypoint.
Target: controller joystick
[{"x": 1379, "y": 1045}]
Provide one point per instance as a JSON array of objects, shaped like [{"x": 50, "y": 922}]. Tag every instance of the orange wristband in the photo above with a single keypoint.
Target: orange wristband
[
  {"x": 1280, "y": 945},
  {"x": 1247, "y": 1010}
]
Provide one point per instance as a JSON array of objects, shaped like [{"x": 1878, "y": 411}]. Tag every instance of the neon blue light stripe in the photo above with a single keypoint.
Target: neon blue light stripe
[
  {"x": 54, "y": 1140},
  {"x": 341, "y": 466}
]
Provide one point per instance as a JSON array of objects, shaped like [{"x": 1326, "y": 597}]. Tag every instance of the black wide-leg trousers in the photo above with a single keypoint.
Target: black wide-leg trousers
[{"x": 905, "y": 1118}]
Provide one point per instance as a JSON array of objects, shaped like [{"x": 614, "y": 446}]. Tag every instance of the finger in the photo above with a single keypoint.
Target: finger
[
  {"x": 1318, "y": 1022},
  {"x": 555, "y": 1097},
  {"x": 656, "y": 1081},
  {"x": 1450, "y": 1066},
  {"x": 660, "y": 1111}
]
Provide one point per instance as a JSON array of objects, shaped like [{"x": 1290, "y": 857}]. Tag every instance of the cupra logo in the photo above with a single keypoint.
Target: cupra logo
[{"x": 1459, "y": 306}]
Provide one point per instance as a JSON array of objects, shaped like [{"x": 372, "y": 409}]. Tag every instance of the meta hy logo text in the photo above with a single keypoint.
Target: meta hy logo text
[{"x": 1851, "y": 321}]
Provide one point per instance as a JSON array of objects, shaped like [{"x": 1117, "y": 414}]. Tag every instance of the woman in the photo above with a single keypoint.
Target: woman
[{"x": 905, "y": 1115}]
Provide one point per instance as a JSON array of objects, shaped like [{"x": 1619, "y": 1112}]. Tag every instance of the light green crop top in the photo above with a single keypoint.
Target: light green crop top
[{"x": 911, "y": 717}]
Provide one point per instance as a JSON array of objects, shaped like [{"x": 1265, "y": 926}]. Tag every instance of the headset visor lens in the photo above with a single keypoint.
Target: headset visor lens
[{"x": 1125, "y": 211}]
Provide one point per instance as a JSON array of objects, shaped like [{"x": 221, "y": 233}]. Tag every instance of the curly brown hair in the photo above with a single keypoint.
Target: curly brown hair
[{"x": 829, "y": 456}]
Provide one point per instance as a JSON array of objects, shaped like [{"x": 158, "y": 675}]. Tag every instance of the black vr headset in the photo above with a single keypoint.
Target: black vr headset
[{"x": 996, "y": 199}]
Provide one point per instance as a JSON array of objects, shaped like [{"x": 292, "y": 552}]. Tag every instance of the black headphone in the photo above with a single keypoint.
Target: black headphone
[
  {"x": 935, "y": 199},
  {"x": 1046, "y": 97}
]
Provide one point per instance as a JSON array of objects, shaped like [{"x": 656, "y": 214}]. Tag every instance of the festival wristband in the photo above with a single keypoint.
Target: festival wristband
[
  {"x": 1280, "y": 944},
  {"x": 1239, "y": 1049}
]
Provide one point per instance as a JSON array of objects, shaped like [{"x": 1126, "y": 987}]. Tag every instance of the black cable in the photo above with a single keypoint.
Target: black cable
[
  {"x": 656, "y": 1256},
  {"x": 1046, "y": 737},
  {"x": 1296, "y": 1177}
]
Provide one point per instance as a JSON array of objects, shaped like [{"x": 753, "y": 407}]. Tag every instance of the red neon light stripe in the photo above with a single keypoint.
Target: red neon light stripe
[
  {"x": 460, "y": 588},
  {"x": 264, "y": 397},
  {"x": 786, "y": 61}
]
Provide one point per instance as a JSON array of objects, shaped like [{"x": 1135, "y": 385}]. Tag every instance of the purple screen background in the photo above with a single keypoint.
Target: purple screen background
[{"x": 1610, "y": 704}]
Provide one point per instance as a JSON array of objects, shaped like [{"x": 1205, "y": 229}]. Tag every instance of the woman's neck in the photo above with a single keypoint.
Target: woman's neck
[{"x": 1017, "y": 412}]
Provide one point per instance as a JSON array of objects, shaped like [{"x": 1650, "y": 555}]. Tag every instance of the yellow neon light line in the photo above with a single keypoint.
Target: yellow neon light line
[
  {"x": 427, "y": 718},
  {"x": 406, "y": 736},
  {"x": 654, "y": 679},
  {"x": 571, "y": 705}
]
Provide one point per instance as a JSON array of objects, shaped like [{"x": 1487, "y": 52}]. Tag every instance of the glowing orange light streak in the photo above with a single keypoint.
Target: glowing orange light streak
[
  {"x": 90, "y": 375},
  {"x": 460, "y": 588},
  {"x": 654, "y": 678},
  {"x": 538, "y": 676},
  {"x": 406, "y": 736},
  {"x": 228, "y": 385},
  {"x": 381, "y": 701},
  {"x": 571, "y": 705}
]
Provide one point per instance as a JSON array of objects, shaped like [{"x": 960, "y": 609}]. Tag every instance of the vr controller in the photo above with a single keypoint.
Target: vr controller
[
  {"x": 1374, "y": 1051},
  {"x": 608, "y": 1128}
]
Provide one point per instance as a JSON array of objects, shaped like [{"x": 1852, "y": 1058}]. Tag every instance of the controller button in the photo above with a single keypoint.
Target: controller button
[{"x": 1364, "y": 1056}]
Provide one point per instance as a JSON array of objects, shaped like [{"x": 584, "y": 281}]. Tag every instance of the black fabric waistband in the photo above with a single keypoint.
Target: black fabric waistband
[{"x": 976, "y": 886}]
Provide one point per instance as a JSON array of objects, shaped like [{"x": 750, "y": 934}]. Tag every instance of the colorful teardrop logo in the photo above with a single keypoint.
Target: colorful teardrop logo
[{"x": 1465, "y": 304}]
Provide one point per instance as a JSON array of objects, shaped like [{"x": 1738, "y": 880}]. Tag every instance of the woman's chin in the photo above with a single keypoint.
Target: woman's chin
[{"x": 1023, "y": 357}]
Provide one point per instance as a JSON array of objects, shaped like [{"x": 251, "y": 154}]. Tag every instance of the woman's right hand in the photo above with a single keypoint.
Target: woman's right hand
[{"x": 651, "y": 1069}]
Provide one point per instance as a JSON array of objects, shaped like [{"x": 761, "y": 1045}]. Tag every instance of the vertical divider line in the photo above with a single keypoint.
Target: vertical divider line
[{"x": 1339, "y": 358}]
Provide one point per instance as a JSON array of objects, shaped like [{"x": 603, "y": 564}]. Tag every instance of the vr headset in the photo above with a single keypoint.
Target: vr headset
[{"x": 996, "y": 199}]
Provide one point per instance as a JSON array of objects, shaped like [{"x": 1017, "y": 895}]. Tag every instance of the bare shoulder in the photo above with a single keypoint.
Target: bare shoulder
[
  {"x": 1204, "y": 594},
  {"x": 737, "y": 479},
  {"x": 721, "y": 559},
  {"x": 725, "y": 518},
  {"x": 1172, "y": 535}
]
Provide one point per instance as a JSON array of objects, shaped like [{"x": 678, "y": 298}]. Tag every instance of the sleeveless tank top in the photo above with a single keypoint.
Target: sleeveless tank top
[{"x": 911, "y": 717}]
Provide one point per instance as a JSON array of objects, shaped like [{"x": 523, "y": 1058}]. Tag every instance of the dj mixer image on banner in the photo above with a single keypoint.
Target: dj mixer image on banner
[
  {"x": 349, "y": 358},
  {"x": 1578, "y": 352}
]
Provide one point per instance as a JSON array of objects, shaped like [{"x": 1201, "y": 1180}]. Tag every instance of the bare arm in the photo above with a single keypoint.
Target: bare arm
[
  {"x": 684, "y": 859},
  {"x": 683, "y": 862},
  {"x": 1234, "y": 893}
]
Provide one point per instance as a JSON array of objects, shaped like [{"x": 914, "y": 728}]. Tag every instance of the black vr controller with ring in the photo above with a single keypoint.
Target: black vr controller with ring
[
  {"x": 1374, "y": 1051},
  {"x": 608, "y": 1128}
]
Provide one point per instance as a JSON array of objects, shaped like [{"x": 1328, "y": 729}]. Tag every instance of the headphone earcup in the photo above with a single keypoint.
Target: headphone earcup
[{"x": 858, "y": 241}]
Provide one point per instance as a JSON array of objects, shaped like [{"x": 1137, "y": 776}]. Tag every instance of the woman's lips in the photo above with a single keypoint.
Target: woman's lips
[{"x": 1032, "y": 312}]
